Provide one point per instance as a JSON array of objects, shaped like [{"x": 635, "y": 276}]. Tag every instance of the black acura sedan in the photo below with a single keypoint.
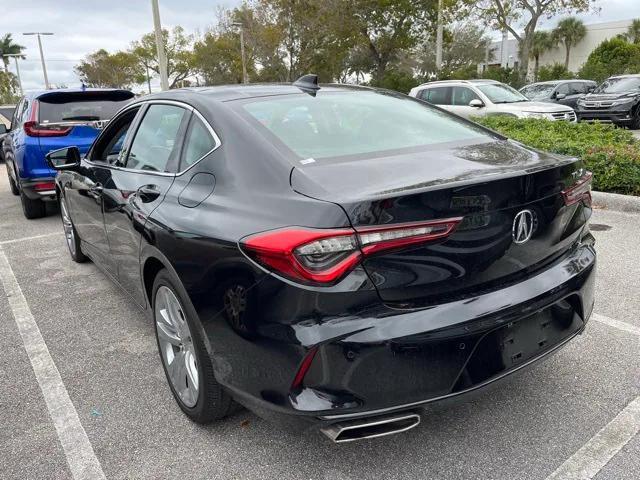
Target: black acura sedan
[{"x": 333, "y": 258}]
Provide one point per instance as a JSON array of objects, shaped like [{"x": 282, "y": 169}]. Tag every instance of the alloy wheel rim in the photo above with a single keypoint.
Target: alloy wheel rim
[
  {"x": 69, "y": 234},
  {"x": 176, "y": 346}
]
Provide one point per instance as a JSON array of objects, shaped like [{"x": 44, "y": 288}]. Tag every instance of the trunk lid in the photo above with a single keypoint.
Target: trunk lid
[{"x": 488, "y": 184}]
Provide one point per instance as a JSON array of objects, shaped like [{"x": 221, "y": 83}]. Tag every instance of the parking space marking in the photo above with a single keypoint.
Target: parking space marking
[
  {"x": 612, "y": 322},
  {"x": 73, "y": 438},
  {"x": 24, "y": 239},
  {"x": 602, "y": 447}
]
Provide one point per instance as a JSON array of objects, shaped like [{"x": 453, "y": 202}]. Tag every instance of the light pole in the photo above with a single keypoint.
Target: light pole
[
  {"x": 16, "y": 56},
  {"x": 162, "y": 58},
  {"x": 244, "y": 62},
  {"x": 44, "y": 66},
  {"x": 439, "y": 38}
]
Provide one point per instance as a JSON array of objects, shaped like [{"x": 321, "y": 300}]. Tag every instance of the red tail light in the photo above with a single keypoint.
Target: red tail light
[
  {"x": 324, "y": 256},
  {"x": 579, "y": 191},
  {"x": 304, "y": 368},
  {"x": 44, "y": 186},
  {"x": 33, "y": 129}
]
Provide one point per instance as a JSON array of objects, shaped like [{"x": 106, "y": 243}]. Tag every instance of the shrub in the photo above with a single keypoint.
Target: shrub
[
  {"x": 612, "y": 154},
  {"x": 554, "y": 72},
  {"x": 612, "y": 57}
]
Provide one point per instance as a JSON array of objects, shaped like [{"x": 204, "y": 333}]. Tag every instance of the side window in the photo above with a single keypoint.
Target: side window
[
  {"x": 156, "y": 141},
  {"x": 438, "y": 95},
  {"x": 109, "y": 147},
  {"x": 564, "y": 88},
  {"x": 17, "y": 113},
  {"x": 198, "y": 143},
  {"x": 463, "y": 95},
  {"x": 579, "y": 87}
]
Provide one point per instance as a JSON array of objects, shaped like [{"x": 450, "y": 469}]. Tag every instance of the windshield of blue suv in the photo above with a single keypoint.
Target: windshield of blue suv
[
  {"x": 619, "y": 85},
  {"x": 337, "y": 124},
  {"x": 501, "y": 93}
]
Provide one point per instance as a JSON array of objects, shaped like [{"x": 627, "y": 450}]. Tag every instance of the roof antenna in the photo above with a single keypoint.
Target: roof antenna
[{"x": 308, "y": 84}]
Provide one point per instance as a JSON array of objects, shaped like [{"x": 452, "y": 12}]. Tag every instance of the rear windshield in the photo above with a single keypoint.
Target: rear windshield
[
  {"x": 81, "y": 106},
  {"x": 336, "y": 124}
]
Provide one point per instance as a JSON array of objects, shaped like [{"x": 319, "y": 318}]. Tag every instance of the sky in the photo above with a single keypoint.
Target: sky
[{"x": 82, "y": 27}]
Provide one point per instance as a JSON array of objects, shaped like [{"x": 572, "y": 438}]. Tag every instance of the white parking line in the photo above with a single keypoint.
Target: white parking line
[
  {"x": 602, "y": 447},
  {"x": 24, "y": 239},
  {"x": 612, "y": 322},
  {"x": 75, "y": 443}
]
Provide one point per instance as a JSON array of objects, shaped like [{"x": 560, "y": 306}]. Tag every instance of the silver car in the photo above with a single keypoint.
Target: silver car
[{"x": 469, "y": 98}]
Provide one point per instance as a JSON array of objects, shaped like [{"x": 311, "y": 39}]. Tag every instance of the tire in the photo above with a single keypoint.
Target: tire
[
  {"x": 70, "y": 232},
  {"x": 635, "y": 123},
  {"x": 32, "y": 208},
  {"x": 12, "y": 183},
  {"x": 208, "y": 401}
]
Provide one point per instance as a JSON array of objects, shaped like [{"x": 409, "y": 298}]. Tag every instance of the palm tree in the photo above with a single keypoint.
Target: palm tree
[
  {"x": 542, "y": 42},
  {"x": 633, "y": 32},
  {"x": 569, "y": 32},
  {"x": 7, "y": 47}
]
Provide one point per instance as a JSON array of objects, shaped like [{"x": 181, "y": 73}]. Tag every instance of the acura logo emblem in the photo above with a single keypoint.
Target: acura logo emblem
[{"x": 523, "y": 226}]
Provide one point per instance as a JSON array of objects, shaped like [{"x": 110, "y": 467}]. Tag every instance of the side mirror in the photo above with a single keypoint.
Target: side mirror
[
  {"x": 591, "y": 88},
  {"x": 476, "y": 103},
  {"x": 560, "y": 96},
  {"x": 3, "y": 129},
  {"x": 66, "y": 158}
]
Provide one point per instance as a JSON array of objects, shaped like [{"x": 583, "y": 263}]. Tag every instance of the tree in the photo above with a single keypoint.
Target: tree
[
  {"x": 542, "y": 42},
  {"x": 178, "y": 49},
  {"x": 612, "y": 57},
  {"x": 633, "y": 32},
  {"x": 511, "y": 14},
  {"x": 8, "y": 47},
  {"x": 569, "y": 31},
  {"x": 8, "y": 88},
  {"x": 102, "y": 69}
]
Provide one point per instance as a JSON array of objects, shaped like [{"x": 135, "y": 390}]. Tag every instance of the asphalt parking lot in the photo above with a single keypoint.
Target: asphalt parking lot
[{"x": 577, "y": 412}]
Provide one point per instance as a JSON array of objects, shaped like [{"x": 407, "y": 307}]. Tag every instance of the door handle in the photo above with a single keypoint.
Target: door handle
[
  {"x": 95, "y": 190},
  {"x": 148, "y": 193}
]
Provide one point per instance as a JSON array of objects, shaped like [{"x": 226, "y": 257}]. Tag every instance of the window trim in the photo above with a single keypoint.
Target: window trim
[
  {"x": 145, "y": 105},
  {"x": 187, "y": 134}
]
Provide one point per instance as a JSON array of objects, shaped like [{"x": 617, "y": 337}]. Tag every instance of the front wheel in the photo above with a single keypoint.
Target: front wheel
[
  {"x": 185, "y": 359},
  {"x": 635, "y": 123},
  {"x": 70, "y": 233},
  {"x": 12, "y": 183}
]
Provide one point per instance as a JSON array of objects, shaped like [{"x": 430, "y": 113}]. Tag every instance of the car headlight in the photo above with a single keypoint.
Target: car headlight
[
  {"x": 535, "y": 115},
  {"x": 624, "y": 101},
  {"x": 580, "y": 102}
]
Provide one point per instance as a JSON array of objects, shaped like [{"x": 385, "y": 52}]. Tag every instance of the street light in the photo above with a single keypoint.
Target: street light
[
  {"x": 244, "y": 63},
  {"x": 162, "y": 58},
  {"x": 44, "y": 67},
  {"x": 16, "y": 56}
]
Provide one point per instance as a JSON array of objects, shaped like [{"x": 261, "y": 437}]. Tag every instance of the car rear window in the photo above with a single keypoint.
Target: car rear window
[
  {"x": 336, "y": 124},
  {"x": 81, "y": 106}
]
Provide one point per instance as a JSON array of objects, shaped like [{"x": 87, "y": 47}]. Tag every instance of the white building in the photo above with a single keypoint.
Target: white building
[{"x": 596, "y": 34}]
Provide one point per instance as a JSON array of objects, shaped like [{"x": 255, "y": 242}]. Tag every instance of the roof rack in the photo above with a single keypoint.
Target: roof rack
[{"x": 467, "y": 82}]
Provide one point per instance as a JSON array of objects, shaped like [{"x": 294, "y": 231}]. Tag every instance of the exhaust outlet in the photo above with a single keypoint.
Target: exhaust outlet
[{"x": 371, "y": 428}]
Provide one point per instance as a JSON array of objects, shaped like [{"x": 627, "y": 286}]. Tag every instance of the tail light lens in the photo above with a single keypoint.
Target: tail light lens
[
  {"x": 33, "y": 129},
  {"x": 579, "y": 191},
  {"x": 324, "y": 256},
  {"x": 43, "y": 186}
]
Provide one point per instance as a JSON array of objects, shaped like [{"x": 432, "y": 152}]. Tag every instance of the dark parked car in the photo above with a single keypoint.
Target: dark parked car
[
  {"x": 49, "y": 120},
  {"x": 332, "y": 258},
  {"x": 566, "y": 92},
  {"x": 617, "y": 100}
]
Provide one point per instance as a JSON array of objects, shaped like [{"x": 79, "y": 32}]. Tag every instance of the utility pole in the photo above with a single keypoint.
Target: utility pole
[
  {"x": 439, "y": 38},
  {"x": 162, "y": 57},
  {"x": 244, "y": 61},
  {"x": 16, "y": 56},
  {"x": 44, "y": 66}
]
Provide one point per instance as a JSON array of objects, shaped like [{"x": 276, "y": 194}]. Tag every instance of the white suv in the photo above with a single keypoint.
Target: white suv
[{"x": 469, "y": 98}]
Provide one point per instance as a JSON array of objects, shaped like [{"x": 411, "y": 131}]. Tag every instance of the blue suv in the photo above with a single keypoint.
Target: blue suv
[{"x": 46, "y": 121}]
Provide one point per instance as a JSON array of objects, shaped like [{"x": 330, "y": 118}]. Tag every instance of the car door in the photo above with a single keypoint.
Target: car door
[
  {"x": 137, "y": 187},
  {"x": 460, "y": 99},
  {"x": 85, "y": 193},
  {"x": 563, "y": 90}
]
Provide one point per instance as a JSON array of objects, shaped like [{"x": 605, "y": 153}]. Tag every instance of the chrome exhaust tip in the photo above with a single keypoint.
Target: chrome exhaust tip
[{"x": 370, "y": 428}]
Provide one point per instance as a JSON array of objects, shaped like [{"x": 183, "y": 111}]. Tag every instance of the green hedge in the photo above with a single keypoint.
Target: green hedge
[{"x": 612, "y": 154}]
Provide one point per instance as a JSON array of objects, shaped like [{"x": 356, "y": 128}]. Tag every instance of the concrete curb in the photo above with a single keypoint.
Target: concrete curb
[{"x": 615, "y": 201}]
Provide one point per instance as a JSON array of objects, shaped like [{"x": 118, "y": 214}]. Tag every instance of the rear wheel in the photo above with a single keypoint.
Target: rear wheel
[
  {"x": 70, "y": 233},
  {"x": 32, "y": 208},
  {"x": 185, "y": 359},
  {"x": 12, "y": 183}
]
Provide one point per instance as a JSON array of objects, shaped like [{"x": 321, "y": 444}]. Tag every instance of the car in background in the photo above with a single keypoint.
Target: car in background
[
  {"x": 476, "y": 98},
  {"x": 566, "y": 92},
  {"x": 331, "y": 257},
  {"x": 5, "y": 123},
  {"x": 50, "y": 120},
  {"x": 616, "y": 100}
]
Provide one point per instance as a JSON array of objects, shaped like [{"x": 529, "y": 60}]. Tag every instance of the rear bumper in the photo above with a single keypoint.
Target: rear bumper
[
  {"x": 382, "y": 360},
  {"x": 620, "y": 117},
  {"x": 39, "y": 188}
]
